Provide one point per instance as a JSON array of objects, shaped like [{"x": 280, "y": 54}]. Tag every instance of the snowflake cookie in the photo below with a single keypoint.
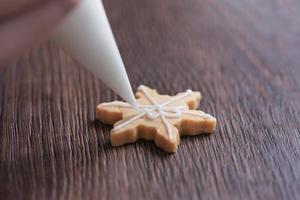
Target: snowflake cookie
[{"x": 160, "y": 118}]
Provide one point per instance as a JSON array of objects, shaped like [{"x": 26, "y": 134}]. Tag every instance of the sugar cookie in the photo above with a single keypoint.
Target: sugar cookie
[{"x": 160, "y": 118}]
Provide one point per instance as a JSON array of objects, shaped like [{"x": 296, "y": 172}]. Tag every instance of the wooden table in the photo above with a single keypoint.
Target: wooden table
[{"x": 244, "y": 56}]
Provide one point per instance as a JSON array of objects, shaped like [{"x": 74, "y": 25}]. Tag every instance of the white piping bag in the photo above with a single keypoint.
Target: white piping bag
[{"x": 87, "y": 36}]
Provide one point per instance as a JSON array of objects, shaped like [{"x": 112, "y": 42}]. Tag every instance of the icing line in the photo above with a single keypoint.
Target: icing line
[{"x": 161, "y": 109}]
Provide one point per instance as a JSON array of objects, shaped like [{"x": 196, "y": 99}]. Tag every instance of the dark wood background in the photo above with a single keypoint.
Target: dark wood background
[{"x": 244, "y": 56}]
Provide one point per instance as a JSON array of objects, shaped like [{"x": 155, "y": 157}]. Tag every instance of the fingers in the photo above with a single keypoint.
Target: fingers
[
  {"x": 20, "y": 33},
  {"x": 14, "y": 7}
]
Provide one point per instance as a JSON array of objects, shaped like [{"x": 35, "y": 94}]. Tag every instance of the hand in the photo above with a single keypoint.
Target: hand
[{"x": 24, "y": 23}]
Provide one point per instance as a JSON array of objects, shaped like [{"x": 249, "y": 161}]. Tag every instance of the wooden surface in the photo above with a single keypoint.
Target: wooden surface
[{"x": 244, "y": 56}]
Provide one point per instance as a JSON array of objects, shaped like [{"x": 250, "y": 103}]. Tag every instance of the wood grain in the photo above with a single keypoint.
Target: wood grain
[{"x": 242, "y": 55}]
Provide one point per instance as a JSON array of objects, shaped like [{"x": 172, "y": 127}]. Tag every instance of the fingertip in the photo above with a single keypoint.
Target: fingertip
[{"x": 69, "y": 4}]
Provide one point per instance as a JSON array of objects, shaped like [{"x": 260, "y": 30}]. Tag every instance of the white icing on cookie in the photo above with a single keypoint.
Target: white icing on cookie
[{"x": 156, "y": 110}]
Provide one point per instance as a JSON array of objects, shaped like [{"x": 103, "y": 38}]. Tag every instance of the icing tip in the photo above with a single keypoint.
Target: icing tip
[
  {"x": 141, "y": 87},
  {"x": 189, "y": 91}
]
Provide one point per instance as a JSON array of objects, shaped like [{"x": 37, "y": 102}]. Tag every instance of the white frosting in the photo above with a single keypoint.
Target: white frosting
[{"x": 158, "y": 110}]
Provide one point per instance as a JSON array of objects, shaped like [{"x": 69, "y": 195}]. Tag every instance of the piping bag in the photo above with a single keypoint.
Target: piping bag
[{"x": 86, "y": 35}]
